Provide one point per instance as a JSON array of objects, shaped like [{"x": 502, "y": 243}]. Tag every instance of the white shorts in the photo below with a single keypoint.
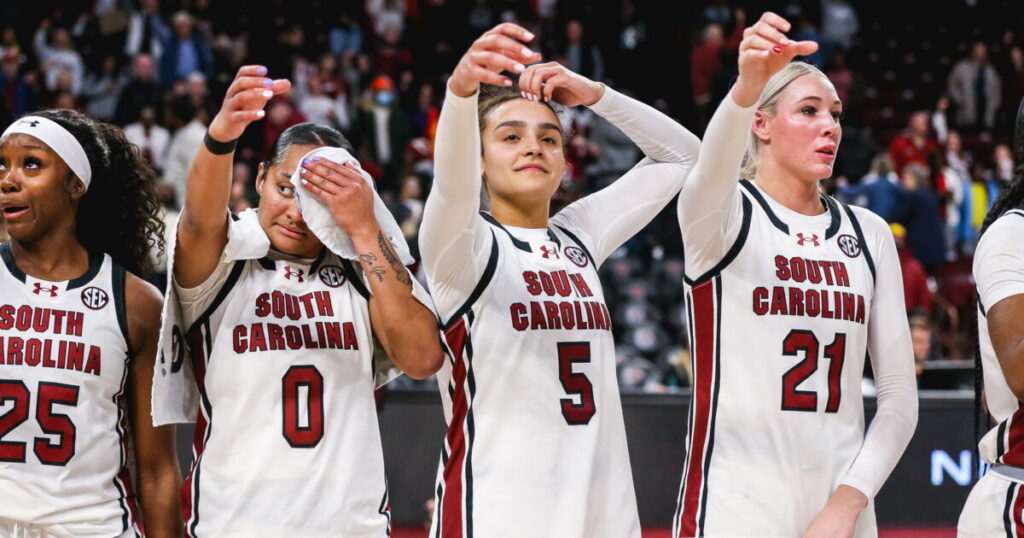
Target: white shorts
[
  {"x": 17, "y": 529},
  {"x": 995, "y": 508}
]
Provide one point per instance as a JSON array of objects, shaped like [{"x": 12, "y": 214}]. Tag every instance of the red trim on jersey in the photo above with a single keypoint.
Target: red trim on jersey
[
  {"x": 125, "y": 478},
  {"x": 1016, "y": 515},
  {"x": 1015, "y": 440},
  {"x": 196, "y": 345},
  {"x": 704, "y": 320},
  {"x": 451, "y": 501}
]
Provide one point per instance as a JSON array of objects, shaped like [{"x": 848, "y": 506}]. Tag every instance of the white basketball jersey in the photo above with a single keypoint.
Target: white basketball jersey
[
  {"x": 536, "y": 444},
  {"x": 287, "y": 441},
  {"x": 1004, "y": 443},
  {"x": 63, "y": 426},
  {"x": 778, "y": 336}
]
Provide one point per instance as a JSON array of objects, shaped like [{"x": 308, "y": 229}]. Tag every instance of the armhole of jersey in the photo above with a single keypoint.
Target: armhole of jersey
[
  {"x": 737, "y": 245},
  {"x": 579, "y": 243},
  {"x": 485, "y": 280},
  {"x": 118, "y": 283},
  {"x": 863, "y": 243},
  {"x": 981, "y": 308},
  {"x": 229, "y": 284},
  {"x": 354, "y": 276},
  {"x": 833, "y": 209}
]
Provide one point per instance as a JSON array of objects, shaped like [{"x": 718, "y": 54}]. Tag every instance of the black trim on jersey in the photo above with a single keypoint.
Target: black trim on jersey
[
  {"x": 554, "y": 238},
  {"x": 1000, "y": 444},
  {"x": 833, "y": 210},
  {"x": 485, "y": 280},
  {"x": 579, "y": 243},
  {"x": 355, "y": 277},
  {"x": 266, "y": 263},
  {"x": 471, "y": 428},
  {"x": 382, "y": 509},
  {"x": 734, "y": 251},
  {"x": 1007, "y": 509},
  {"x": 8, "y": 256},
  {"x": 519, "y": 243},
  {"x": 126, "y": 515},
  {"x": 714, "y": 404},
  {"x": 319, "y": 259},
  {"x": 236, "y": 272},
  {"x": 863, "y": 244},
  {"x": 119, "y": 282},
  {"x": 95, "y": 263},
  {"x": 981, "y": 308},
  {"x": 776, "y": 221}
]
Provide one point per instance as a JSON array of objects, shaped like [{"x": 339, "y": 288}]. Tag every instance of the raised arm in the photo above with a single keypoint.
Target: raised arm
[
  {"x": 892, "y": 360},
  {"x": 709, "y": 204},
  {"x": 454, "y": 243},
  {"x": 607, "y": 218},
  {"x": 156, "y": 457},
  {"x": 406, "y": 329},
  {"x": 203, "y": 226}
]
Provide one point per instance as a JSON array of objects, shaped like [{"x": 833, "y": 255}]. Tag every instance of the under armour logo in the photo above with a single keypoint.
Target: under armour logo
[
  {"x": 52, "y": 290},
  {"x": 297, "y": 273},
  {"x": 801, "y": 239},
  {"x": 548, "y": 252},
  {"x": 31, "y": 123}
]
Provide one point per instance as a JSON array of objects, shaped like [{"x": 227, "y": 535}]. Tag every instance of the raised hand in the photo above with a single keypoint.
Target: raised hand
[
  {"x": 553, "y": 81},
  {"x": 498, "y": 49},
  {"x": 764, "y": 51},
  {"x": 244, "y": 102},
  {"x": 344, "y": 191}
]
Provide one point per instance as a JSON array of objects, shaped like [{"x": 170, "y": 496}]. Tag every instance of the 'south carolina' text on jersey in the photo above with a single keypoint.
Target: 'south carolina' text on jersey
[
  {"x": 262, "y": 336},
  {"x": 810, "y": 302},
  {"x": 40, "y": 350},
  {"x": 559, "y": 314}
]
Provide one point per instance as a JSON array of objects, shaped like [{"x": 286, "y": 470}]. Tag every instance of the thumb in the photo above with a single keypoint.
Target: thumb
[{"x": 802, "y": 48}]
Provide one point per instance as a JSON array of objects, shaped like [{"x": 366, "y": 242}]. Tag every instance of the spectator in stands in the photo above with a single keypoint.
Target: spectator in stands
[
  {"x": 151, "y": 139},
  {"x": 186, "y": 141},
  {"x": 141, "y": 91},
  {"x": 58, "y": 56},
  {"x": 1013, "y": 85},
  {"x": 921, "y": 337},
  {"x": 15, "y": 91},
  {"x": 392, "y": 59},
  {"x": 975, "y": 88},
  {"x": 838, "y": 25},
  {"x": 410, "y": 200},
  {"x": 381, "y": 133},
  {"x": 916, "y": 292},
  {"x": 146, "y": 29},
  {"x": 346, "y": 37},
  {"x": 9, "y": 41},
  {"x": 878, "y": 191},
  {"x": 914, "y": 145},
  {"x": 102, "y": 89},
  {"x": 198, "y": 93},
  {"x": 185, "y": 51},
  {"x": 331, "y": 80},
  {"x": 807, "y": 31},
  {"x": 582, "y": 56},
  {"x": 281, "y": 114},
  {"x": 320, "y": 108},
  {"x": 1003, "y": 159},
  {"x": 386, "y": 15},
  {"x": 950, "y": 186},
  {"x": 424, "y": 113},
  {"x": 919, "y": 213},
  {"x": 940, "y": 120},
  {"x": 705, "y": 61}
]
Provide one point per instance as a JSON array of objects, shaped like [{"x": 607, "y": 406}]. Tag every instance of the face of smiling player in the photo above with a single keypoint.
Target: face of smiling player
[
  {"x": 522, "y": 161},
  {"x": 279, "y": 208},
  {"x": 38, "y": 193}
]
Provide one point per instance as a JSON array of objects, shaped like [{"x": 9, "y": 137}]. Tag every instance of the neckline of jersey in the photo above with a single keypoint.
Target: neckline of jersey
[{"x": 789, "y": 216}]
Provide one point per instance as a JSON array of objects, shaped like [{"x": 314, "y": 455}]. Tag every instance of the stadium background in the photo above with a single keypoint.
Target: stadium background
[{"x": 376, "y": 70}]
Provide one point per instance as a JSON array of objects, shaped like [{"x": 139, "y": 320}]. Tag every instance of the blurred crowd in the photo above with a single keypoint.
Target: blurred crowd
[{"x": 928, "y": 155}]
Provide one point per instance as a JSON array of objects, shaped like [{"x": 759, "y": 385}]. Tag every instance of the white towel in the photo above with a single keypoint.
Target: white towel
[{"x": 320, "y": 221}]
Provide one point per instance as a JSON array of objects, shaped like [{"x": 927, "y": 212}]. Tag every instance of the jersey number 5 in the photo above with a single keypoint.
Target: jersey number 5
[
  {"x": 51, "y": 423},
  {"x": 794, "y": 399},
  {"x": 570, "y": 353}
]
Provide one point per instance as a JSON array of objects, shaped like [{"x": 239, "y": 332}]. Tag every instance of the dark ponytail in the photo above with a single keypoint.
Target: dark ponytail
[{"x": 119, "y": 214}]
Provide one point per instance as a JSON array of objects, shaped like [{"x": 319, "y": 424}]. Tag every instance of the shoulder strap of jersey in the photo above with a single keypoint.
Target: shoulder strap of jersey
[
  {"x": 520, "y": 244},
  {"x": 860, "y": 237},
  {"x": 478, "y": 290},
  {"x": 118, "y": 282},
  {"x": 229, "y": 284},
  {"x": 354, "y": 274},
  {"x": 95, "y": 264},
  {"x": 835, "y": 213},
  {"x": 579, "y": 243},
  {"x": 756, "y": 194},
  {"x": 737, "y": 245}
]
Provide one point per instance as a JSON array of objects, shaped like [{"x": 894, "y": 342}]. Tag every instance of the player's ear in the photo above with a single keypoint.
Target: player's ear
[
  {"x": 261, "y": 177},
  {"x": 760, "y": 127}
]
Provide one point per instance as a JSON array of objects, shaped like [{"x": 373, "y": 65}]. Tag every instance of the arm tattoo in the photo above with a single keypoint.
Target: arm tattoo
[
  {"x": 375, "y": 270},
  {"x": 392, "y": 258}
]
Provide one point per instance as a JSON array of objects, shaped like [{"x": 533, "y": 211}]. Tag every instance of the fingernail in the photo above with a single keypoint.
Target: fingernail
[
  {"x": 529, "y": 35},
  {"x": 261, "y": 113},
  {"x": 527, "y": 51},
  {"x": 268, "y": 94},
  {"x": 777, "y": 49},
  {"x": 507, "y": 82},
  {"x": 267, "y": 82},
  {"x": 314, "y": 159},
  {"x": 519, "y": 68},
  {"x": 261, "y": 70}
]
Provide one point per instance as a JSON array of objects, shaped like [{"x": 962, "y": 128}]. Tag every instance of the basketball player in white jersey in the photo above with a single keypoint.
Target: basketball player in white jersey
[
  {"x": 282, "y": 338},
  {"x": 786, "y": 290},
  {"x": 995, "y": 506},
  {"x": 536, "y": 444},
  {"x": 78, "y": 333}
]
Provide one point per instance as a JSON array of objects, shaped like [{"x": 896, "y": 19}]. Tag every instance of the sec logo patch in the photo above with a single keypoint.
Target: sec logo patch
[
  {"x": 849, "y": 245},
  {"x": 576, "y": 256},
  {"x": 94, "y": 298},
  {"x": 332, "y": 275}
]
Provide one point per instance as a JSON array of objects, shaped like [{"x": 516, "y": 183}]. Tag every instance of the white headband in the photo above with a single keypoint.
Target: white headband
[{"x": 62, "y": 142}]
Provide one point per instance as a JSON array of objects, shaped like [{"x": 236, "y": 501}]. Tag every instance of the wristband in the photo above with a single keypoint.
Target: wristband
[{"x": 217, "y": 147}]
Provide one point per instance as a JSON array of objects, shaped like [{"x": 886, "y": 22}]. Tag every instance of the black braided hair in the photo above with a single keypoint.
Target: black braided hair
[{"x": 119, "y": 214}]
